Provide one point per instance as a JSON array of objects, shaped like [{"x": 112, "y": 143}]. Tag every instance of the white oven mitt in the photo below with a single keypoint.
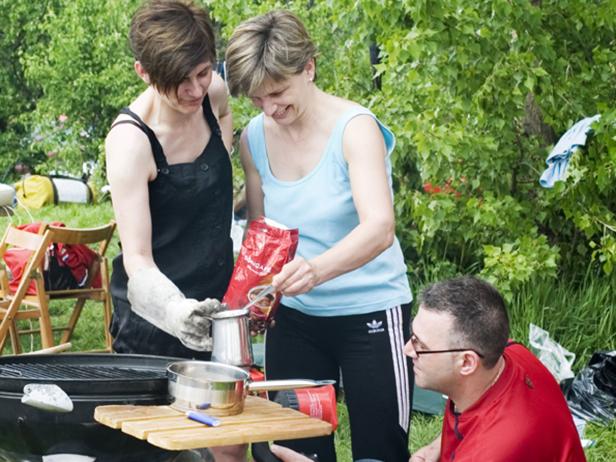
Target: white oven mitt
[{"x": 159, "y": 301}]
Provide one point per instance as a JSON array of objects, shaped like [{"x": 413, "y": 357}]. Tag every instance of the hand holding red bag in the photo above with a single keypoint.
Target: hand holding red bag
[{"x": 267, "y": 247}]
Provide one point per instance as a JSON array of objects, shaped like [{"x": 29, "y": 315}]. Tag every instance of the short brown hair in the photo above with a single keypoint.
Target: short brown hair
[
  {"x": 273, "y": 46},
  {"x": 479, "y": 313},
  {"x": 170, "y": 38}
]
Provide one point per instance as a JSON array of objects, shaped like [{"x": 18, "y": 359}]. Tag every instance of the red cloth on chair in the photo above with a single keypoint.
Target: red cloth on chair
[{"x": 77, "y": 258}]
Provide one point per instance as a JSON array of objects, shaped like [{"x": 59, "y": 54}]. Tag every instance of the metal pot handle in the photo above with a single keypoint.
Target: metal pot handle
[{"x": 275, "y": 385}]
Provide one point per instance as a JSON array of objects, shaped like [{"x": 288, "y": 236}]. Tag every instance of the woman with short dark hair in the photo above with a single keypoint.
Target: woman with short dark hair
[{"x": 170, "y": 175}]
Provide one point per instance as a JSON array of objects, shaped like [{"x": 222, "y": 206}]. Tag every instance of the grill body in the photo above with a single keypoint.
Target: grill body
[{"x": 27, "y": 433}]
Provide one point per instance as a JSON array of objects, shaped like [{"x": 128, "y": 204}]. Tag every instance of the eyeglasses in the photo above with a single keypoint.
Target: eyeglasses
[{"x": 415, "y": 342}]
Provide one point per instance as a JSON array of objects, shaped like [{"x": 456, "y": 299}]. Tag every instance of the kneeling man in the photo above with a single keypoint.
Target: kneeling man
[{"x": 504, "y": 405}]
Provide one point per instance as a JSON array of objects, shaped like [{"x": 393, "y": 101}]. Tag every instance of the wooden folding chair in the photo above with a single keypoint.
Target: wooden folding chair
[
  {"x": 10, "y": 303},
  {"x": 101, "y": 236},
  {"x": 40, "y": 301}
]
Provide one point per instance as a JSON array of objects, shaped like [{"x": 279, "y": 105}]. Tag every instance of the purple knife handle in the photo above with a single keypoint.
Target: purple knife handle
[{"x": 203, "y": 418}]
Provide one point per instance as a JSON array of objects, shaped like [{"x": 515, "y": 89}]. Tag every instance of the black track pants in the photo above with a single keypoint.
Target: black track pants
[{"x": 377, "y": 377}]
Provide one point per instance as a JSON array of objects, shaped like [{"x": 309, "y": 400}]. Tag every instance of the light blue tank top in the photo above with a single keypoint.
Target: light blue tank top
[{"x": 321, "y": 206}]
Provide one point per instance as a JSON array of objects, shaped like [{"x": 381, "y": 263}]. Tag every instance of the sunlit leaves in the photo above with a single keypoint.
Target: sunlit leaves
[{"x": 456, "y": 80}]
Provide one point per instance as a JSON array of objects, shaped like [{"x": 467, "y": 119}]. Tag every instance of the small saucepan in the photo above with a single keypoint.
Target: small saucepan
[{"x": 220, "y": 388}]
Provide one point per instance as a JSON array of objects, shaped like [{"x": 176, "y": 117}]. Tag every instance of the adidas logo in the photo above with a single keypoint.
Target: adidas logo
[{"x": 374, "y": 326}]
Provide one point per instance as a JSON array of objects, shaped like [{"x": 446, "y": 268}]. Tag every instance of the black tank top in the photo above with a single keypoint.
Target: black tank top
[{"x": 190, "y": 206}]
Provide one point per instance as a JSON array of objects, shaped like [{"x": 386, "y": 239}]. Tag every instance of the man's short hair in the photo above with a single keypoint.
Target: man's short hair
[
  {"x": 273, "y": 46},
  {"x": 170, "y": 38},
  {"x": 479, "y": 313}
]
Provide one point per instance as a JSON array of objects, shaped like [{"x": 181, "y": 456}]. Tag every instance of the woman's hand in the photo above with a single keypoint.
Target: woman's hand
[
  {"x": 296, "y": 277},
  {"x": 429, "y": 453},
  {"x": 288, "y": 455}
]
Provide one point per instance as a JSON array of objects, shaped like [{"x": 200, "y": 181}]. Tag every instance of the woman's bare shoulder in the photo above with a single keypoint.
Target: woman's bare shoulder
[
  {"x": 140, "y": 106},
  {"x": 340, "y": 106},
  {"x": 127, "y": 146}
]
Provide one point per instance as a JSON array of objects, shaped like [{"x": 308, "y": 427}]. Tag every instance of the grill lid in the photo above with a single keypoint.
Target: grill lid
[{"x": 87, "y": 374}]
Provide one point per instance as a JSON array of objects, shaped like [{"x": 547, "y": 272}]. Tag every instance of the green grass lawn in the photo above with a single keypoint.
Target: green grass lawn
[{"x": 581, "y": 316}]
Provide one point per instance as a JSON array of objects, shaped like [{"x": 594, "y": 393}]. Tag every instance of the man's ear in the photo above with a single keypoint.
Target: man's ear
[
  {"x": 469, "y": 363},
  {"x": 141, "y": 72}
]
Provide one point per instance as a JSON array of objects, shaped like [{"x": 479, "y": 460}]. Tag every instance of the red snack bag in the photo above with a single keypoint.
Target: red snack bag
[{"x": 268, "y": 246}]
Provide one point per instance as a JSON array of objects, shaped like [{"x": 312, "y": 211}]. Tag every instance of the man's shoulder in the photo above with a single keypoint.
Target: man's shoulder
[
  {"x": 530, "y": 371},
  {"x": 526, "y": 419}
]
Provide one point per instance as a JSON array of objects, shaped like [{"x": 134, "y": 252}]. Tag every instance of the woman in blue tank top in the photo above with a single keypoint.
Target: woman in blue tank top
[{"x": 321, "y": 164}]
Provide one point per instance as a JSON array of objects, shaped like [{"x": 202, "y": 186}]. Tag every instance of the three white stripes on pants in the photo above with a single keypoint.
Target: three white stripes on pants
[{"x": 396, "y": 341}]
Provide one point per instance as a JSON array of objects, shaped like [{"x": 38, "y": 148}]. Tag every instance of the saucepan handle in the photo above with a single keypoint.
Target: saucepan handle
[{"x": 276, "y": 385}]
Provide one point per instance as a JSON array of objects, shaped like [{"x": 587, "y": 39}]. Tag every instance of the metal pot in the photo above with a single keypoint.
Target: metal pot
[
  {"x": 231, "y": 338},
  {"x": 220, "y": 388}
]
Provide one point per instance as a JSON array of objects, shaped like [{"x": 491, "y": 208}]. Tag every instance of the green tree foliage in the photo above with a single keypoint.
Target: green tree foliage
[
  {"x": 19, "y": 35},
  {"x": 85, "y": 75},
  {"x": 476, "y": 92},
  {"x": 482, "y": 91},
  {"x": 68, "y": 72}
]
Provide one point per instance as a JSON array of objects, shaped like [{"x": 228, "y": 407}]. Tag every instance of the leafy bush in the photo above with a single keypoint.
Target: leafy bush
[
  {"x": 476, "y": 92},
  {"x": 85, "y": 75},
  {"x": 70, "y": 71},
  {"x": 19, "y": 35}
]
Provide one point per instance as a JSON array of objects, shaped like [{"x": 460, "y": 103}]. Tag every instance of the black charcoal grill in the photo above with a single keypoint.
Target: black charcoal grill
[{"x": 90, "y": 380}]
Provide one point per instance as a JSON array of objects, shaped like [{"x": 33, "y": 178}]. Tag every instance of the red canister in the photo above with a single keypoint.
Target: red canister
[{"x": 319, "y": 402}]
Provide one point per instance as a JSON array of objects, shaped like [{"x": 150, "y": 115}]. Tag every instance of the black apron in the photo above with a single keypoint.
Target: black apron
[{"x": 190, "y": 206}]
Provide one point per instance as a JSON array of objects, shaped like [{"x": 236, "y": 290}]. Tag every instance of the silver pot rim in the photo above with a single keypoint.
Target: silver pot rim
[
  {"x": 226, "y": 314},
  {"x": 175, "y": 370}
]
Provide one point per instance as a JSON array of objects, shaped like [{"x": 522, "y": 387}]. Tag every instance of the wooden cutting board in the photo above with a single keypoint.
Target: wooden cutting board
[{"x": 167, "y": 428}]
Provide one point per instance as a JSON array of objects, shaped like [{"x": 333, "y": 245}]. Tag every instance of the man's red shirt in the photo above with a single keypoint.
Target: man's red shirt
[{"x": 523, "y": 417}]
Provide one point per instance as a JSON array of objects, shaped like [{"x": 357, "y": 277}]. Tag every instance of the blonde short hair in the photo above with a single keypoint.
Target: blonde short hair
[{"x": 273, "y": 46}]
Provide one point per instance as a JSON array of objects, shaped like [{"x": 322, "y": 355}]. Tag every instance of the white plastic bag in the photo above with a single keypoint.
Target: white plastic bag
[
  {"x": 557, "y": 359},
  {"x": 237, "y": 234},
  {"x": 7, "y": 195}
]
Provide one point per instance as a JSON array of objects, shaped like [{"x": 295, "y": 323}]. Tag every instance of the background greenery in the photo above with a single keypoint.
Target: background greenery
[{"x": 477, "y": 93}]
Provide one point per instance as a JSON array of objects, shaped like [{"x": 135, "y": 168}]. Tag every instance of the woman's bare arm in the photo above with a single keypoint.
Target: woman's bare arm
[
  {"x": 130, "y": 166},
  {"x": 220, "y": 105},
  {"x": 254, "y": 192}
]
